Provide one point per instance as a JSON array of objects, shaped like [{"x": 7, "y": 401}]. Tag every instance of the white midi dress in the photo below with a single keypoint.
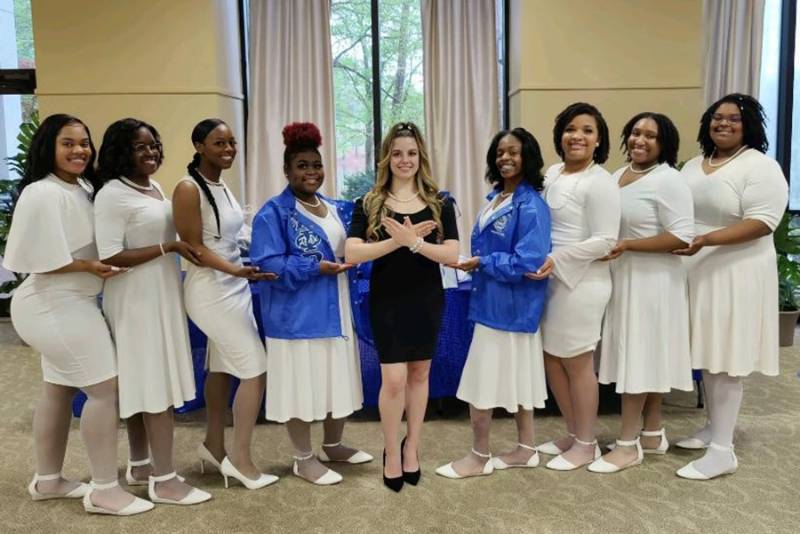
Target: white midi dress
[
  {"x": 58, "y": 314},
  {"x": 308, "y": 379},
  {"x": 646, "y": 327},
  {"x": 503, "y": 369},
  {"x": 220, "y": 304},
  {"x": 144, "y": 306},
  {"x": 585, "y": 215},
  {"x": 733, "y": 289}
]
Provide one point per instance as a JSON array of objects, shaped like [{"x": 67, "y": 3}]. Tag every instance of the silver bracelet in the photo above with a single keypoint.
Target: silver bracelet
[
  {"x": 161, "y": 246},
  {"x": 416, "y": 246}
]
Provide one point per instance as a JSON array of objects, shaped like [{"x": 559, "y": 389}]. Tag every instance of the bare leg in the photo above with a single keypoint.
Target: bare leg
[
  {"x": 217, "y": 393},
  {"x": 309, "y": 467},
  {"x": 520, "y": 455},
  {"x": 140, "y": 450},
  {"x": 416, "y": 404},
  {"x": 391, "y": 402},
  {"x": 99, "y": 429},
  {"x": 558, "y": 381},
  {"x": 652, "y": 420},
  {"x": 246, "y": 406},
  {"x": 632, "y": 405},
  {"x": 472, "y": 464},
  {"x": 332, "y": 433},
  {"x": 584, "y": 396},
  {"x": 51, "y": 421},
  {"x": 160, "y": 428}
]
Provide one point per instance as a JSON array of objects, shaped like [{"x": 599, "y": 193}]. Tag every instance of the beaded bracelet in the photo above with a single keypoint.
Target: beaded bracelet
[{"x": 416, "y": 246}]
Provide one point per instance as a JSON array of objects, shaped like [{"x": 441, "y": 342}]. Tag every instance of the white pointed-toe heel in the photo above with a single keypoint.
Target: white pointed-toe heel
[
  {"x": 195, "y": 496},
  {"x": 206, "y": 456},
  {"x": 138, "y": 505},
  {"x": 359, "y": 457},
  {"x": 559, "y": 463},
  {"x": 76, "y": 493},
  {"x": 533, "y": 461},
  {"x": 229, "y": 470},
  {"x": 447, "y": 470},
  {"x": 328, "y": 478},
  {"x": 551, "y": 448},
  {"x": 689, "y": 471},
  {"x": 602, "y": 466},
  {"x": 129, "y": 472}
]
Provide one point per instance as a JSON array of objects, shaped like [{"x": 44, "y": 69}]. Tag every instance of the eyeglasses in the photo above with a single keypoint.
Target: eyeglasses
[
  {"x": 140, "y": 148},
  {"x": 732, "y": 119},
  {"x": 410, "y": 126}
]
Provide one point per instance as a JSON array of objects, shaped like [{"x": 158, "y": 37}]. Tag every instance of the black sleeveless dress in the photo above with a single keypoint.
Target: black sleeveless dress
[{"x": 406, "y": 298}]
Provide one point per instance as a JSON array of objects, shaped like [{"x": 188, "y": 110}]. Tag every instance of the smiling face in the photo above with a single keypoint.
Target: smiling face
[
  {"x": 404, "y": 158},
  {"x": 146, "y": 153},
  {"x": 509, "y": 157},
  {"x": 726, "y": 129},
  {"x": 580, "y": 138},
  {"x": 305, "y": 173},
  {"x": 219, "y": 147},
  {"x": 643, "y": 146},
  {"x": 73, "y": 151}
]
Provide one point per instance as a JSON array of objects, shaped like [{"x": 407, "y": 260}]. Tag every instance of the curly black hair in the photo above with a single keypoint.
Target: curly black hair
[
  {"x": 532, "y": 161},
  {"x": 116, "y": 156},
  {"x": 41, "y": 158},
  {"x": 668, "y": 138},
  {"x": 754, "y": 134},
  {"x": 565, "y": 117}
]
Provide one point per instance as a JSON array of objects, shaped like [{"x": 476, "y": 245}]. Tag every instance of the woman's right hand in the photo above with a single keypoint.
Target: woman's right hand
[
  {"x": 544, "y": 271},
  {"x": 183, "y": 248},
  {"x": 103, "y": 270},
  {"x": 253, "y": 273}
]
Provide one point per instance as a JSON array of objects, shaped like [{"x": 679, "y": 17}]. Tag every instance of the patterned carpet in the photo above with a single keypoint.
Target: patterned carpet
[{"x": 764, "y": 496}]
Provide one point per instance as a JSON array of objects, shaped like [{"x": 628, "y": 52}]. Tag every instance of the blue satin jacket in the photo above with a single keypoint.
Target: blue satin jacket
[{"x": 515, "y": 240}]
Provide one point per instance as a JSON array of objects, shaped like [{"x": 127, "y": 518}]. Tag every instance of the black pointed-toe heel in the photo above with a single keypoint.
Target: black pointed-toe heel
[
  {"x": 395, "y": 484},
  {"x": 412, "y": 477}
]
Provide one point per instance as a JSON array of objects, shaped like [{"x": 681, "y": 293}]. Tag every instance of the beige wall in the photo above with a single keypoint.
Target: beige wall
[
  {"x": 171, "y": 63},
  {"x": 624, "y": 56}
]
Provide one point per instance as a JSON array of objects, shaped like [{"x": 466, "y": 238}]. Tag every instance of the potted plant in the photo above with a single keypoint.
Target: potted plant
[
  {"x": 8, "y": 196},
  {"x": 787, "y": 246}
]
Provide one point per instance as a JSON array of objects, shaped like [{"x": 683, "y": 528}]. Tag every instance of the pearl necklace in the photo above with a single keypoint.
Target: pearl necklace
[
  {"x": 309, "y": 204},
  {"x": 404, "y": 200},
  {"x": 571, "y": 192},
  {"x": 716, "y": 165},
  {"x": 643, "y": 171},
  {"x": 126, "y": 181}
]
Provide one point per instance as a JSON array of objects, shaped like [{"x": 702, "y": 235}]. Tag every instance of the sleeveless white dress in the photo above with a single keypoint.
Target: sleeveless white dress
[
  {"x": 144, "y": 307},
  {"x": 221, "y": 304}
]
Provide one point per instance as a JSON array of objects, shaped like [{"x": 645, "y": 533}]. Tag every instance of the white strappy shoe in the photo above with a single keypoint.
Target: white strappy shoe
[
  {"x": 663, "y": 445},
  {"x": 533, "y": 461},
  {"x": 129, "y": 472},
  {"x": 690, "y": 472},
  {"x": 138, "y": 505},
  {"x": 328, "y": 478},
  {"x": 448, "y": 471},
  {"x": 551, "y": 448},
  {"x": 559, "y": 463},
  {"x": 602, "y": 466},
  {"x": 359, "y": 457},
  {"x": 76, "y": 493},
  {"x": 195, "y": 496}
]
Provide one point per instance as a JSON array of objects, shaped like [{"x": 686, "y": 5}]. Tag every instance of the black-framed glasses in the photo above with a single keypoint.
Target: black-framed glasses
[
  {"x": 140, "y": 148},
  {"x": 733, "y": 119}
]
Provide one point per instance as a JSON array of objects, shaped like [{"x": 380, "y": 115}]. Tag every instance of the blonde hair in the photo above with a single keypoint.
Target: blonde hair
[{"x": 375, "y": 200}]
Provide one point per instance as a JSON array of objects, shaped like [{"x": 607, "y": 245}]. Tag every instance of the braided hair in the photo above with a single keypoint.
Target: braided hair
[{"x": 199, "y": 134}]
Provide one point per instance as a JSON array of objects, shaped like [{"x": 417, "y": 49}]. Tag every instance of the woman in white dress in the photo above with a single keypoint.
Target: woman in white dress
[
  {"x": 585, "y": 211},
  {"x": 645, "y": 348},
  {"x": 313, "y": 366},
  {"x": 218, "y": 300},
  {"x": 505, "y": 365},
  {"x": 144, "y": 308},
  {"x": 739, "y": 195},
  {"x": 55, "y": 311}
]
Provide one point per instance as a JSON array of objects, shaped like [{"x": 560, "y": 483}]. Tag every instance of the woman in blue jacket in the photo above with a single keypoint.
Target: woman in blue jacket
[
  {"x": 505, "y": 366},
  {"x": 313, "y": 368}
]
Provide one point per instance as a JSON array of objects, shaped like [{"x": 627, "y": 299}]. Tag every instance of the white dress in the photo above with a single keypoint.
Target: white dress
[
  {"x": 646, "y": 328},
  {"x": 585, "y": 215},
  {"x": 144, "y": 307},
  {"x": 503, "y": 369},
  {"x": 58, "y": 314},
  {"x": 308, "y": 379},
  {"x": 220, "y": 304},
  {"x": 733, "y": 289}
]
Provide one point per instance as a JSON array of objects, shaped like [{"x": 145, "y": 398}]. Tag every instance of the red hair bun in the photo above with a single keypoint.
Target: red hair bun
[{"x": 302, "y": 135}]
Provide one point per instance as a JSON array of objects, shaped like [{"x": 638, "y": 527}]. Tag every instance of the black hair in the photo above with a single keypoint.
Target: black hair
[
  {"x": 41, "y": 157},
  {"x": 668, "y": 138},
  {"x": 532, "y": 161},
  {"x": 754, "y": 133},
  {"x": 199, "y": 134},
  {"x": 600, "y": 154},
  {"x": 116, "y": 156}
]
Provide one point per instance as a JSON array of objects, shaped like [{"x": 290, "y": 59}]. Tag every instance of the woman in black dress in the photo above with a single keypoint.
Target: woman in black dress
[{"x": 407, "y": 227}]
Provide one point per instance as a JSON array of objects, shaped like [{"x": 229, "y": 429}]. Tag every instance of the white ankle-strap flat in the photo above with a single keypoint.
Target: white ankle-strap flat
[
  {"x": 663, "y": 445},
  {"x": 129, "y": 472},
  {"x": 551, "y": 448},
  {"x": 359, "y": 457},
  {"x": 533, "y": 461},
  {"x": 559, "y": 463},
  {"x": 447, "y": 470},
  {"x": 328, "y": 478},
  {"x": 138, "y": 505},
  {"x": 76, "y": 493},
  {"x": 195, "y": 495},
  {"x": 689, "y": 471},
  {"x": 602, "y": 466}
]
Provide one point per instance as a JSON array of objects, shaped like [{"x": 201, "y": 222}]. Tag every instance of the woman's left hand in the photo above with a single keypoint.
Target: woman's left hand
[
  {"x": 404, "y": 234},
  {"x": 615, "y": 252},
  {"x": 544, "y": 271},
  {"x": 697, "y": 243}
]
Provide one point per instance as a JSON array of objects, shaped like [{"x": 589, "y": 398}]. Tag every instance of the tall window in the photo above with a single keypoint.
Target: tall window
[
  {"x": 17, "y": 63},
  {"x": 373, "y": 90}
]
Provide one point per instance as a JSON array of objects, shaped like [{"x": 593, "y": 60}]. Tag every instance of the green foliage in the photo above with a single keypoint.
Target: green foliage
[
  {"x": 787, "y": 246},
  {"x": 357, "y": 185},
  {"x": 16, "y": 163}
]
